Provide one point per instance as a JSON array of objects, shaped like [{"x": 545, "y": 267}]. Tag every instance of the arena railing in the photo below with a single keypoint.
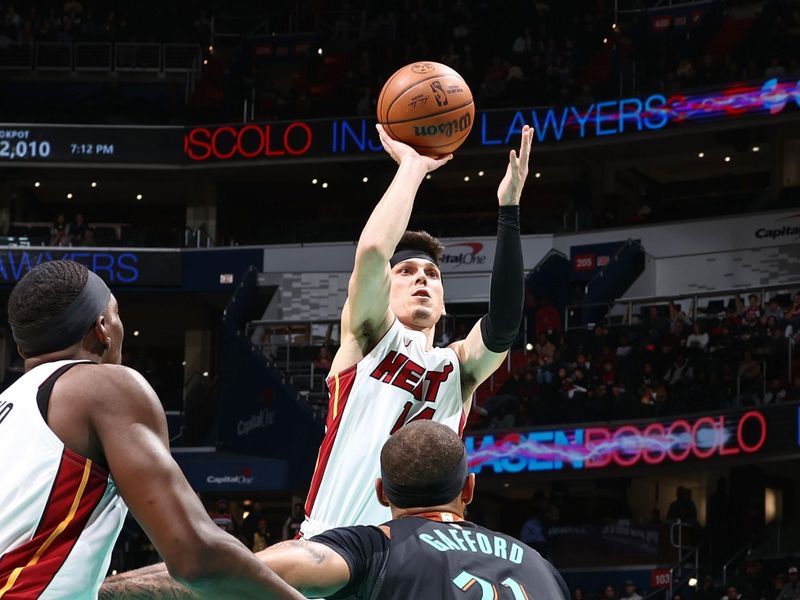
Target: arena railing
[
  {"x": 122, "y": 57},
  {"x": 621, "y": 311}
]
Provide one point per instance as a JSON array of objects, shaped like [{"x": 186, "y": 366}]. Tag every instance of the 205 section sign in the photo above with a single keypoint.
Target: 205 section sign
[{"x": 763, "y": 431}]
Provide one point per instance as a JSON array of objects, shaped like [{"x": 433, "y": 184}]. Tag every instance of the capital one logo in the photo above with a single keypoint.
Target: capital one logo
[
  {"x": 465, "y": 253},
  {"x": 781, "y": 231}
]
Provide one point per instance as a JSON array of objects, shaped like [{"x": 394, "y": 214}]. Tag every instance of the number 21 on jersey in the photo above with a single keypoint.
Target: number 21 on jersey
[{"x": 465, "y": 580}]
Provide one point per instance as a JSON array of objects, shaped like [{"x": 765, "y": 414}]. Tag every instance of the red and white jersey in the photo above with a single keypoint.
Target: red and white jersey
[
  {"x": 396, "y": 383},
  {"x": 60, "y": 513}
]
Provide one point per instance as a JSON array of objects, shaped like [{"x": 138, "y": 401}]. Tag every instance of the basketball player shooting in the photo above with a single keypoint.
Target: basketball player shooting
[{"x": 387, "y": 372}]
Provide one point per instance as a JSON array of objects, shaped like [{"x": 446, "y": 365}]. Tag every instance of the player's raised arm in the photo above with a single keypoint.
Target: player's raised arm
[
  {"x": 487, "y": 344},
  {"x": 366, "y": 314}
]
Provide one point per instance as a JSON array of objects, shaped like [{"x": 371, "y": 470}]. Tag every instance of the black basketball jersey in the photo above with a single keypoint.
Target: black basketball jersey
[{"x": 438, "y": 556}]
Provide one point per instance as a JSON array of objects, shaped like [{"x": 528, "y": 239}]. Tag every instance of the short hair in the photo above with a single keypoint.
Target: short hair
[
  {"x": 421, "y": 453},
  {"x": 45, "y": 292},
  {"x": 421, "y": 240}
]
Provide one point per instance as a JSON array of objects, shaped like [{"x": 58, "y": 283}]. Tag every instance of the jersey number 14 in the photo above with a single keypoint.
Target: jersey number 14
[{"x": 426, "y": 414}]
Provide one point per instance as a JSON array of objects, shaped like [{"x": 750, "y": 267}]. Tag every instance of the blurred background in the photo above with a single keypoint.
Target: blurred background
[{"x": 215, "y": 163}]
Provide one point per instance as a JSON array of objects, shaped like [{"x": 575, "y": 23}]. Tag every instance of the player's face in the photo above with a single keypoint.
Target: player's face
[
  {"x": 417, "y": 295},
  {"x": 115, "y": 331}
]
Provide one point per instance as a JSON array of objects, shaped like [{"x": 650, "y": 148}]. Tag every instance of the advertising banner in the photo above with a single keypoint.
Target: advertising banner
[{"x": 766, "y": 431}]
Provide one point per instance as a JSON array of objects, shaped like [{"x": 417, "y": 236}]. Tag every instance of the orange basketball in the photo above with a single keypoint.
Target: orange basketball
[{"x": 428, "y": 106}]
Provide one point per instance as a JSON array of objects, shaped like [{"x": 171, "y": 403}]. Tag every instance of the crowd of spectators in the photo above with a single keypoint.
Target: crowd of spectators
[
  {"x": 86, "y": 21},
  {"x": 542, "y": 52},
  {"x": 253, "y": 525},
  {"x": 522, "y": 54},
  {"x": 75, "y": 233},
  {"x": 754, "y": 580},
  {"x": 664, "y": 364}
]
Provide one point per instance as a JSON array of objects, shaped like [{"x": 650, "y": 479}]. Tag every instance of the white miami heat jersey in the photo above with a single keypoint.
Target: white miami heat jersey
[
  {"x": 396, "y": 383},
  {"x": 60, "y": 513}
]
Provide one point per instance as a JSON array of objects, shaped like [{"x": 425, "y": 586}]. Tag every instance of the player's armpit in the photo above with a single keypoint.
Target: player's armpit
[
  {"x": 314, "y": 569},
  {"x": 477, "y": 362}
]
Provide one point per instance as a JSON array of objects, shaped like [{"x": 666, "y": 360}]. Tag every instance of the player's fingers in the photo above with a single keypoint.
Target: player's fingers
[{"x": 525, "y": 146}]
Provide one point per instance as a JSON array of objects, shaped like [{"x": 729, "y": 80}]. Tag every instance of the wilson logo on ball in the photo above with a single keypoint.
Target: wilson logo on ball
[
  {"x": 438, "y": 93},
  {"x": 446, "y": 129},
  {"x": 423, "y": 68}
]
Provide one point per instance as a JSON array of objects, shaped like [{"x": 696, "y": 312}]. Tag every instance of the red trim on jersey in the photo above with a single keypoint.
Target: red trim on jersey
[
  {"x": 340, "y": 392},
  {"x": 462, "y": 421},
  {"x": 78, "y": 487}
]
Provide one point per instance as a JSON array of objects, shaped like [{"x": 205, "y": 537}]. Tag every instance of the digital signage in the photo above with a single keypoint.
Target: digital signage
[
  {"x": 124, "y": 268},
  {"x": 332, "y": 138},
  {"x": 764, "y": 431}
]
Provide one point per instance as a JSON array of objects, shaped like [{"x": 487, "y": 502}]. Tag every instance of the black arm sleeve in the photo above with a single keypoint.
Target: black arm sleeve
[
  {"x": 499, "y": 328},
  {"x": 364, "y": 549}
]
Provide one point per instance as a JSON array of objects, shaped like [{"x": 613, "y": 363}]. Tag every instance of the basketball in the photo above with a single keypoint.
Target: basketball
[{"x": 428, "y": 106}]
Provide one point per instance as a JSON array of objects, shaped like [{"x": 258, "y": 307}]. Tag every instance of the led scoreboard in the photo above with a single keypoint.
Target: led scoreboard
[{"x": 24, "y": 143}]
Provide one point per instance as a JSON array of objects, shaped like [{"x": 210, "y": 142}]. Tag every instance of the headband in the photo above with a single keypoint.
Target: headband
[
  {"x": 67, "y": 328},
  {"x": 432, "y": 494},
  {"x": 402, "y": 255}
]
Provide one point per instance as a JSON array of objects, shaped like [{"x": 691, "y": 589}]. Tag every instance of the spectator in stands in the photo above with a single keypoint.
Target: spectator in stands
[
  {"x": 791, "y": 591},
  {"x": 749, "y": 377},
  {"x": 577, "y": 594},
  {"x": 678, "y": 379},
  {"x": 221, "y": 515},
  {"x": 793, "y": 314},
  {"x": 623, "y": 348},
  {"x": 630, "y": 592},
  {"x": 77, "y": 229},
  {"x": 59, "y": 231},
  {"x": 548, "y": 319},
  {"x": 754, "y": 582},
  {"x": 707, "y": 590},
  {"x": 250, "y": 522},
  {"x": 261, "y": 537},
  {"x": 777, "y": 586},
  {"x": 508, "y": 395},
  {"x": 654, "y": 326},
  {"x": 291, "y": 527},
  {"x": 683, "y": 507},
  {"x": 88, "y": 238},
  {"x": 753, "y": 310},
  {"x": 731, "y": 593},
  {"x": 323, "y": 360},
  {"x": 698, "y": 339},
  {"x": 544, "y": 347},
  {"x": 609, "y": 593},
  {"x": 774, "y": 310},
  {"x": 533, "y": 531}
]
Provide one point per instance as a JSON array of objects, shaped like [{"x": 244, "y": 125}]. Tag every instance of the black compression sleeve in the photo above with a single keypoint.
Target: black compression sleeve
[{"x": 499, "y": 328}]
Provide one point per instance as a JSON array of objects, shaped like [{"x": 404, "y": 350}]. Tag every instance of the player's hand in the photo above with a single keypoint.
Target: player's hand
[
  {"x": 510, "y": 188},
  {"x": 401, "y": 152}
]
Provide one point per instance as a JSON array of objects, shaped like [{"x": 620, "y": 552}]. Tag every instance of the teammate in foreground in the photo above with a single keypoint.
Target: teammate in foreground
[
  {"x": 387, "y": 372},
  {"x": 427, "y": 551},
  {"x": 78, "y": 435}
]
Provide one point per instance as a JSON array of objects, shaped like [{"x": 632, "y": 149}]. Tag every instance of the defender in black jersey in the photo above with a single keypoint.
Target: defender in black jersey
[{"x": 426, "y": 552}]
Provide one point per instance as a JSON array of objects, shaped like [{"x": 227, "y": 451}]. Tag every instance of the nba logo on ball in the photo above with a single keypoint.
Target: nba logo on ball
[{"x": 428, "y": 106}]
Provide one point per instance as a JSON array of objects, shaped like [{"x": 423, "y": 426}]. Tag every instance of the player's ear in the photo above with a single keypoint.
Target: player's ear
[
  {"x": 101, "y": 335},
  {"x": 469, "y": 489},
  {"x": 382, "y": 500},
  {"x": 21, "y": 353}
]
